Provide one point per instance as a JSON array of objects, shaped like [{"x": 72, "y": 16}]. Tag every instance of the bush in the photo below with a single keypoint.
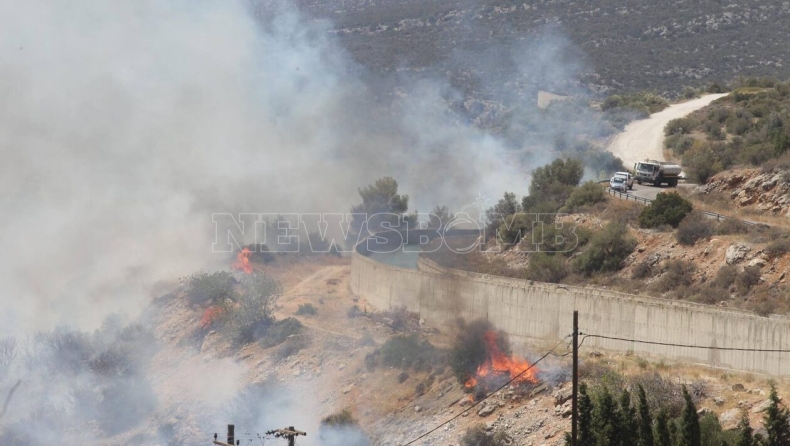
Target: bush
[
  {"x": 342, "y": 428},
  {"x": 307, "y": 309},
  {"x": 680, "y": 126},
  {"x": 606, "y": 251},
  {"x": 678, "y": 144},
  {"x": 279, "y": 331},
  {"x": 731, "y": 226},
  {"x": 586, "y": 194},
  {"x": 514, "y": 228},
  {"x": 202, "y": 287},
  {"x": 669, "y": 208},
  {"x": 402, "y": 319},
  {"x": 747, "y": 279},
  {"x": 642, "y": 270},
  {"x": 478, "y": 436},
  {"x": 725, "y": 277},
  {"x": 677, "y": 273},
  {"x": 409, "y": 352},
  {"x": 778, "y": 247},
  {"x": 342, "y": 418},
  {"x": 470, "y": 348},
  {"x": 695, "y": 226},
  {"x": 546, "y": 268},
  {"x": 250, "y": 316}
]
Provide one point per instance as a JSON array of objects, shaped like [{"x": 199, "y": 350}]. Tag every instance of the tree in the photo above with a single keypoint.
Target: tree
[
  {"x": 645, "y": 421},
  {"x": 379, "y": 198},
  {"x": 553, "y": 183},
  {"x": 776, "y": 422},
  {"x": 606, "y": 420},
  {"x": 745, "y": 432},
  {"x": 689, "y": 434},
  {"x": 586, "y": 436},
  {"x": 587, "y": 193},
  {"x": 440, "y": 217},
  {"x": 662, "y": 436},
  {"x": 669, "y": 208},
  {"x": 629, "y": 433},
  {"x": 496, "y": 214}
]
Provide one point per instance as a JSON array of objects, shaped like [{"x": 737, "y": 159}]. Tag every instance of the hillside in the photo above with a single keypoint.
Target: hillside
[{"x": 497, "y": 48}]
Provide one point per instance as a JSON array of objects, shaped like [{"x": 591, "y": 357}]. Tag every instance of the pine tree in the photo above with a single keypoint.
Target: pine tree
[
  {"x": 629, "y": 427},
  {"x": 645, "y": 422},
  {"x": 745, "y": 435},
  {"x": 606, "y": 420},
  {"x": 776, "y": 422},
  {"x": 662, "y": 429},
  {"x": 586, "y": 437},
  {"x": 689, "y": 434}
]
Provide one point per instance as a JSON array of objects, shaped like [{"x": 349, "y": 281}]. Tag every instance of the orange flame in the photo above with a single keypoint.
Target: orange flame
[
  {"x": 500, "y": 365},
  {"x": 210, "y": 315},
  {"x": 242, "y": 262}
]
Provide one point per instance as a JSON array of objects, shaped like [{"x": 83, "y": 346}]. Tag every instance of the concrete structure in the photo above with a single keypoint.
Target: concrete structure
[{"x": 542, "y": 311}]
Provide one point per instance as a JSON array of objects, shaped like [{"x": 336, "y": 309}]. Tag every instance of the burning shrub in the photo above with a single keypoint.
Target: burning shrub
[
  {"x": 481, "y": 358},
  {"x": 202, "y": 287},
  {"x": 307, "y": 309},
  {"x": 410, "y": 352},
  {"x": 477, "y": 436}
]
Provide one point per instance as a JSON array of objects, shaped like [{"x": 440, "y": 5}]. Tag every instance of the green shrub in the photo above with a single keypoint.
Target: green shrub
[
  {"x": 680, "y": 126},
  {"x": 606, "y": 251},
  {"x": 307, "y": 309},
  {"x": 202, "y": 287},
  {"x": 515, "y": 227},
  {"x": 747, "y": 279},
  {"x": 547, "y": 268},
  {"x": 695, "y": 226},
  {"x": 586, "y": 194},
  {"x": 249, "y": 317},
  {"x": 470, "y": 349},
  {"x": 478, "y": 436},
  {"x": 725, "y": 277},
  {"x": 669, "y": 208},
  {"x": 642, "y": 270},
  {"x": 678, "y": 144}
]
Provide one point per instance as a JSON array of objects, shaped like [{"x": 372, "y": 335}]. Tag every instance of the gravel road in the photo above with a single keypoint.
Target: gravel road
[{"x": 644, "y": 139}]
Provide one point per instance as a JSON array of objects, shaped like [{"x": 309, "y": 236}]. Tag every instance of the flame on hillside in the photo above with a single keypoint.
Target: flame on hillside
[
  {"x": 242, "y": 262},
  {"x": 499, "y": 368}
]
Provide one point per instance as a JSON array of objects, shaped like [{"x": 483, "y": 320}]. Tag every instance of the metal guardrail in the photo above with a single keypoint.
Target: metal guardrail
[{"x": 719, "y": 217}]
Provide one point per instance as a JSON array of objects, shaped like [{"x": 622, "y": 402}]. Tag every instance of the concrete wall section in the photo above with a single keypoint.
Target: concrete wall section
[{"x": 532, "y": 310}]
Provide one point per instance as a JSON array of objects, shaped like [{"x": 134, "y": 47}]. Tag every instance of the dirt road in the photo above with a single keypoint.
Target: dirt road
[{"x": 644, "y": 138}]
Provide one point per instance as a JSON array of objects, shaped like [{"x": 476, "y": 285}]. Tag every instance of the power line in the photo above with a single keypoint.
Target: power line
[
  {"x": 669, "y": 344},
  {"x": 487, "y": 396}
]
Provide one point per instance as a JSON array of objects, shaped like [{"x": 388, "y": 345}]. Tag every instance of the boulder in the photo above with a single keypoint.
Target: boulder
[
  {"x": 736, "y": 253},
  {"x": 729, "y": 419}
]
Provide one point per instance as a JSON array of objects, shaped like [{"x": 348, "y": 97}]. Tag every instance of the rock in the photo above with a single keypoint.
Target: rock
[
  {"x": 387, "y": 321},
  {"x": 562, "y": 395},
  {"x": 757, "y": 262},
  {"x": 348, "y": 388},
  {"x": 595, "y": 354},
  {"x": 487, "y": 410},
  {"x": 703, "y": 411},
  {"x": 729, "y": 419},
  {"x": 719, "y": 400},
  {"x": 738, "y": 387},
  {"x": 736, "y": 253},
  {"x": 489, "y": 426},
  {"x": 762, "y": 407},
  {"x": 538, "y": 390},
  {"x": 417, "y": 409}
]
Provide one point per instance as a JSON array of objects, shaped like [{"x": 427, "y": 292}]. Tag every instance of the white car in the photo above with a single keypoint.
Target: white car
[
  {"x": 629, "y": 179},
  {"x": 618, "y": 183}
]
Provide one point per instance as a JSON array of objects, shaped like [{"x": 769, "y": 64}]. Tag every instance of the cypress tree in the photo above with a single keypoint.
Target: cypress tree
[
  {"x": 689, "y": 434},
  {"x": 662, "y": 436},
  {"x": 776, "y": 422},
  {"x": 745, "y": 432},
  {"x": 645, "y": 422},
  {"x": 586, "y": 436},
  {"x": 629, "y": 428},
  {"x": 606, "y": 422}
]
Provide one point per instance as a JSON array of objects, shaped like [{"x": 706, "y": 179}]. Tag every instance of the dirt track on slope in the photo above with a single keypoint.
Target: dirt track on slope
[{"x": 644, "y": 139}]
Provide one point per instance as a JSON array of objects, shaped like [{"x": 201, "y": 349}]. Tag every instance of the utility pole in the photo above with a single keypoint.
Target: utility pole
[
  {"x": 575, "y": 394},
  {"x": 288, "y": 433},
  {"x": 231, "y": 437}
]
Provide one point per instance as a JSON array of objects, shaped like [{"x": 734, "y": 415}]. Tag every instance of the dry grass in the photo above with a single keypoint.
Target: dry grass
[{"x": 721, "y": 203}]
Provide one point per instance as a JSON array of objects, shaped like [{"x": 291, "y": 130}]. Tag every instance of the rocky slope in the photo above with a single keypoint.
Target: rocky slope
[{"x": 752, "y": 189}]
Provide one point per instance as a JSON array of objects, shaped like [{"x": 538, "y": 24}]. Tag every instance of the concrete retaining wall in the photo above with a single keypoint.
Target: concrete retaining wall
[{"x": 532, "y": 310}]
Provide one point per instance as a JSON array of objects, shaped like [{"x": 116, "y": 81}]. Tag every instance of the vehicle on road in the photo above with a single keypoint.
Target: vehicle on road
[
  {"x": 629, "y": 179},
  {"x": 618, "y": 183},
  {"x": 657, "y": 173}
]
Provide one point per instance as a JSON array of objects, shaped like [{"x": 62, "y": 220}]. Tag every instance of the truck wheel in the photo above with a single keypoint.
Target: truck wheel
[
  {"x": 657, "y": 183},
  {"x": 639, "y": 182},
  {"x": 673, "y": 183}
]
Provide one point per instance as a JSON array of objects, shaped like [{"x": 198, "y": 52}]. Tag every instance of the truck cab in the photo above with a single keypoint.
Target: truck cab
[{"x": 657, "y": 173}]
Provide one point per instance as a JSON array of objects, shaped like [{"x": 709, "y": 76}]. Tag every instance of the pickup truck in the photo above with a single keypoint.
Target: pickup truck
[{"x": 629, "y": 179}]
